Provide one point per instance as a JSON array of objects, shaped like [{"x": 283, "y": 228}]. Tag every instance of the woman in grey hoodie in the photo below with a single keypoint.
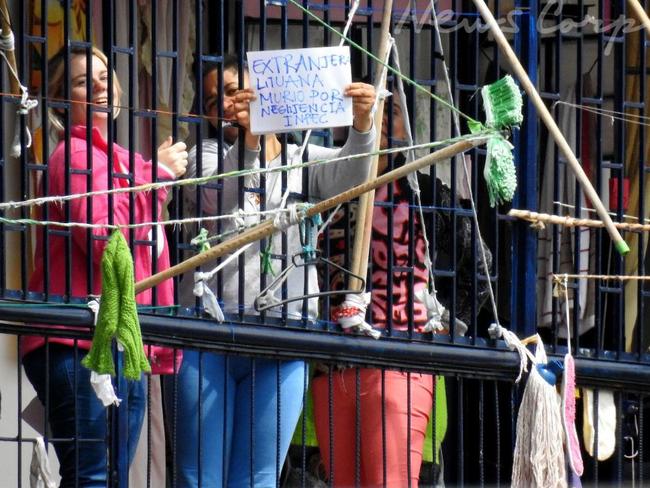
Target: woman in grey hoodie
[{"x": 239, "y": 394}]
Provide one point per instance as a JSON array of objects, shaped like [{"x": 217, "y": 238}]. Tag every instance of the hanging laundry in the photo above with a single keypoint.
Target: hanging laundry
[{"x": 569, "y": 237}]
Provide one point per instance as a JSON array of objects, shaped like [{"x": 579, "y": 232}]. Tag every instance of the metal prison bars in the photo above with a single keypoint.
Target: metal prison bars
[{"x": 159, "y": 51}]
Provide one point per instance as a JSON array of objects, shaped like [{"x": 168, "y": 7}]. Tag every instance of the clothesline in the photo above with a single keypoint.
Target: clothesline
[
  {"x": 233, "y": 174},
  {"x": 612, "y": 114},
  {"x": 557, "y": 277},
  {"x": 591, "y": 210},
  {"x": 173, "y": 222},
  {"x": 567, "y": 221}
]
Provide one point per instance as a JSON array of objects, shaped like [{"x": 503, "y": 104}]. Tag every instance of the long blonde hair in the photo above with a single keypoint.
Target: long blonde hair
[{"x": 55, "y": 86}]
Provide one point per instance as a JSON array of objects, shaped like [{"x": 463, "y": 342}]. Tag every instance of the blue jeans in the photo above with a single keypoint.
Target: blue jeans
[
  {"x": 238, "y": 396},
  {"x": 75, "y": 414}
]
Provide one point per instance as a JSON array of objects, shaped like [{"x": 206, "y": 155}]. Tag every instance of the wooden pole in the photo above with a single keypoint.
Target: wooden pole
[
  {"x": 363, "y": 228},
  {"x": 639, "y": 13},
  {"x": 554, "y": 130},
  {"x": 5, "y": 23},
  {"x": 267, "y": 228}
]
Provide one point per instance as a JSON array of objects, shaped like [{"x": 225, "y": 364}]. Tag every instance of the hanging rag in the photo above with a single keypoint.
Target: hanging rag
[
  {"x": 605, "y": 415},
  {"x": 40, "y": 475},
  {"x": 583, "y": 238}
]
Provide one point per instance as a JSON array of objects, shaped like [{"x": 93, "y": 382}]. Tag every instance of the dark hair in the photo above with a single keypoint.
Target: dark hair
[{"x": 229, "y": 61}]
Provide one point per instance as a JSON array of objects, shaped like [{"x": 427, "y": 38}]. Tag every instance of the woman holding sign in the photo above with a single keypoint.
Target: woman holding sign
[{"x": 245, "y": 404}]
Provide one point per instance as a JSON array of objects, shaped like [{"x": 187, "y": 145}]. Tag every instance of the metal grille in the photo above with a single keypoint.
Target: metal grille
[{"x": 159, "y": 52}]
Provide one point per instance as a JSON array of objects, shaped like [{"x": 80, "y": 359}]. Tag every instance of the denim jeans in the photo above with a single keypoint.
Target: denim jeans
[
  {"x": 77, "y": 420},
  {"x": 243, "y": 406}
]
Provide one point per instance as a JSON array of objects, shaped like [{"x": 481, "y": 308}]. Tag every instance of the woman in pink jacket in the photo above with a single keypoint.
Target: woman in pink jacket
[{"x": 77, "y": 419}]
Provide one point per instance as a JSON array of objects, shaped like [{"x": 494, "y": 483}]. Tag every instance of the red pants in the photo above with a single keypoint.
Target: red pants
[{"x": 380, "y": 442}]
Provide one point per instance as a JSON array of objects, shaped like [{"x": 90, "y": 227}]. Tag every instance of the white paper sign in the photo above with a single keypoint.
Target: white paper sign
[{"x": 299, "y": 89}]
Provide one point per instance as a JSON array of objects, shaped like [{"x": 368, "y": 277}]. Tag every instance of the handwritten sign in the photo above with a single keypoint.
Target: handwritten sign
[{"x": 299, "y": 89}]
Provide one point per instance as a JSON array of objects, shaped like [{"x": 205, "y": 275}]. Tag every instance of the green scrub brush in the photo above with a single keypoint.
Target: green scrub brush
[
  {"x": 502, "y": 103},
  {"x": 118, "y": 315}
]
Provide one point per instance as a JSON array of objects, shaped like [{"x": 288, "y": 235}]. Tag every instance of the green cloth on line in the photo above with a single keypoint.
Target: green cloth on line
[{"x": 118, "y": 315}]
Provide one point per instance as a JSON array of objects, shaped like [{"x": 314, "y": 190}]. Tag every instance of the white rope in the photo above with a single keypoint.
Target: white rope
[
  {"x": 7, "y": 41},
  {"x": 435, "y": 309},
  {"x": 356, "y": 305},
  {"x": 496, "y": 331},
  {"x": 593, "y": 211},
  {"x": 610, "y": 114},
  {"x": 269, "y": 299},
  {"x": 236, "y": 217},
  {"x": 25, "y": 104},
  {"x": 333, "y": 213},
  {"x": 467, "y": 176},
  {"x": 284, "y": 220},
  {"x": 202, "y": 289},
  {"x": 205, "y": 179}
]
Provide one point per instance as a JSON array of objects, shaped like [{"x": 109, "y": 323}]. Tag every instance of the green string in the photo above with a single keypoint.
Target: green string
[
  {"x": 201, "y": 240},
  {"x": 267, "y": 264},
  {"x": 389, "y": 68},
  {"x": 484, "y": 133},
  {"x": 481, "y": 132}
]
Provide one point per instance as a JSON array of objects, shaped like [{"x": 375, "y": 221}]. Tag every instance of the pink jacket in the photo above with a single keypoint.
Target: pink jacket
[{"x": 96, "y": 211}]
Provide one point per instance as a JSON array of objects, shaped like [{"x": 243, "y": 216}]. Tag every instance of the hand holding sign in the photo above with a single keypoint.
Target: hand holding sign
[
  {"x": 300, "y": 89},
  {"x": 363, "y": 99},
  {"x": 241, "y": 104}
]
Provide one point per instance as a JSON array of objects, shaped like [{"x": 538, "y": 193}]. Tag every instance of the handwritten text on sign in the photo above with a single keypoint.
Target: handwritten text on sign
[{"x": 300, "y": 89}]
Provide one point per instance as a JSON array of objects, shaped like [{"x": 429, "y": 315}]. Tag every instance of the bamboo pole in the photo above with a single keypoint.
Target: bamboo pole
[
  {"x": 639, "y": 13},
  {"x": 568, "y": 221},
  {"x": 554, "y": 130},
  {"x": 5, "y": 23},
  {"x": 267, "y": 228},
  {"x": 363, "y": 229}
]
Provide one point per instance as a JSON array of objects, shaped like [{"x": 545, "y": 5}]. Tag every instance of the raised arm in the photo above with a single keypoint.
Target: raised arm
[{"x": 329, "y": 179}]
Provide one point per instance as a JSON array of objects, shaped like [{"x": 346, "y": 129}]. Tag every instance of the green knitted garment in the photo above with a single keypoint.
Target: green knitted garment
[{"x": 118, "y": 315}]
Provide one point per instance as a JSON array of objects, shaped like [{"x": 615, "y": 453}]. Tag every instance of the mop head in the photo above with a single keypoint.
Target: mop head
[
  {"x": 502, "y": 103},
  {"x": 538, "y": 459},
  {"x": 118, "y": 315},
  {"x": 569, "y": 415}
]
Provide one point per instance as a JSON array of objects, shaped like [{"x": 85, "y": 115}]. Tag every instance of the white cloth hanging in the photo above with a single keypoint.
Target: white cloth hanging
[{"x": 585, "y": 239}]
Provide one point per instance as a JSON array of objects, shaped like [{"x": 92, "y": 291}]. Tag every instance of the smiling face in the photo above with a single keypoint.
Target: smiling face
[
  {"x": 79, "y": 87},
  {"x": 211, "y": 90}
]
